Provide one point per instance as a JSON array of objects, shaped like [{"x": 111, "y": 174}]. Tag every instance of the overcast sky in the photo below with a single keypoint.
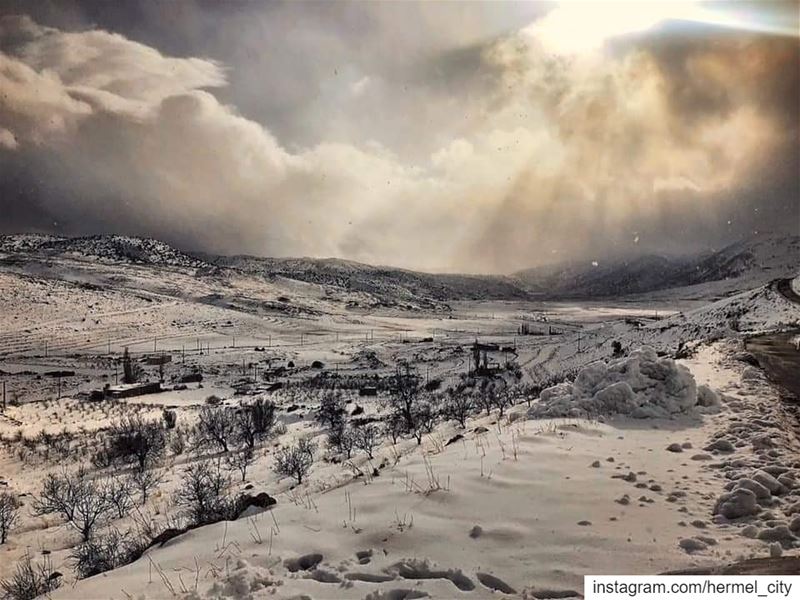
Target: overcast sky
[{"x": 480, "y": 137}]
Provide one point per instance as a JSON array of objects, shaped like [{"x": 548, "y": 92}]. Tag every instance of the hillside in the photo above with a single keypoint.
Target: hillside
[
  {"x": 106, "y": 248},
  {"x": 746, "y": 264},
  {"x": 358, "y": 285},
  {"x": 397, "y": 284}
]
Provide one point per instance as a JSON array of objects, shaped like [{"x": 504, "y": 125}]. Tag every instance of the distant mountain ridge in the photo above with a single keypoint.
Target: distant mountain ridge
[
  {"x": 400, "y": 284},
  {"x": 751, "y": 263},
  {"x": 745, "y": 264}
]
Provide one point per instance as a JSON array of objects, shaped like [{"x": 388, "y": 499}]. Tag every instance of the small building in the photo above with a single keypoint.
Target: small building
[
  {"x": 368, "y": 390},
  {"x": 130, "y": 390}
]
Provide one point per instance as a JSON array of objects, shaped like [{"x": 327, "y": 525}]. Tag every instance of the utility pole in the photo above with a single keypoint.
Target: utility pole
[
  {"x": 109, "y": 346},
  {"x": 4, "y": 395},
  {"x": 45, "y": 348},
  {"x": 183, "y": 353}
]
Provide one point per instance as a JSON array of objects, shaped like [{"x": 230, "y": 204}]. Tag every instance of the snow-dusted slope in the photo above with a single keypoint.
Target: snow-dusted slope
[
  {"x": 393, "y": 284},
  {"x": 107, "y": 248},
  {"x": 746, "y": 264}
]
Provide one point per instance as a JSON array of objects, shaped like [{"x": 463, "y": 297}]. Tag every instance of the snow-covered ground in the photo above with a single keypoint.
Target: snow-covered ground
[
  {"x": 524, "y": 503},
  {"x": 535, "y": 504}
]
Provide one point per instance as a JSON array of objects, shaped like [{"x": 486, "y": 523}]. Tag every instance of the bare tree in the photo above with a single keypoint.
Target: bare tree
[
  {"x": 118, "y": 491},
  {"x": 134, "y": 440},
  {"x": 485, "y": 396},
  {"x": 145, "y": 481},
  {"x": 394, "y": 426},
  {"x": 254, "y": 422},
  {"x": 367, "y": 437},
  {"x": 240, "y": 460},
  {"x": 423, "y": 419},
  {"x": 262, "y": 415},
  {"x": 295, "y": 461},
  {"x": 202, "y": 493},
  {"x": 502, "y": 400},
  {"x": 458, "y": 405},
  {"x": 405, "y": 396},
  {"x": 216, "y": 427},
  {"x": 9, "y": 512},
  {"x": 76, "y": 498},
  {"x": 331, "y": 409},
  {"x": 342, "y": 438}
]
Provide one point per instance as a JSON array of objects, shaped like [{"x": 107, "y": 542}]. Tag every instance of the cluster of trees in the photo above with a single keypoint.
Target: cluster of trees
[
  {"x": 230, "y": 438},
  {"x": 138, "y": 446},
  {"x": 414, "y": 411}
]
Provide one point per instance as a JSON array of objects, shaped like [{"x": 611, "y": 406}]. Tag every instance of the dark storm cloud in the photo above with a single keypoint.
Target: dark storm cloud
[{"x": 428, "y": 135}]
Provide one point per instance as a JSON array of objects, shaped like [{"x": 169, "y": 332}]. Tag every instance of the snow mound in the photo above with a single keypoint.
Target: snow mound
[{"x": 641, "y": 385}]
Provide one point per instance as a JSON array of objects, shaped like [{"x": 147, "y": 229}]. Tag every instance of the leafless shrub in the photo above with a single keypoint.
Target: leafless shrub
[
  {"x": 331, "y": 412},
  {"x": 216, "y": 427},
  {"x": 240, "y": 460},
  {"x": 341, "y": 438},
  {"x": 295, "y": 461},
  {"x": 104, "y": 552},
  {"x": 177, "y": 441},
  {"x": 458, "y": 405},
  {"x": 202, "y": 493},
  {"x": 76, "y": 498},
  {"x": 367, "y": 438},
  {"x": 254, "y": 422},
  {"x": 30, "y": 581},
  {"x": 9, "y": 512},
  {"x": 118, "y": 491},
  {"x": 423, "y": 419},
  {"x": 132, "y": 440},
  {"x": 502, "y": 400},
  {"x": 145, "y": 481},
  {"x": 485, "y": 397},
  {"x": 405, "y": 396},
  {"x": 393, "y": 427}
]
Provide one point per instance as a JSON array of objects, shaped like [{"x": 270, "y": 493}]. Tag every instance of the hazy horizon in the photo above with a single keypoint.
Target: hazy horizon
[{"x": 458, "y": 137}]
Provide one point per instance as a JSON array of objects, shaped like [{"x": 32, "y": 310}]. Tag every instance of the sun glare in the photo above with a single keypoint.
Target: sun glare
[{"x": 582, "y": 27}]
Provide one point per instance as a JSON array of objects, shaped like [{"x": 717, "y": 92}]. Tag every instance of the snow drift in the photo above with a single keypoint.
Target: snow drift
[{"x": 641, "y": 385}]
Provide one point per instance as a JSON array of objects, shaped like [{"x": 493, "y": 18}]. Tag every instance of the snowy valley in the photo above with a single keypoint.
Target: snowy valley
[{"x": 200, "y": 426}]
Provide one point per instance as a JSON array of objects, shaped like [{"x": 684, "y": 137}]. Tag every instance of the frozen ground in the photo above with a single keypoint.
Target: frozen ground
[{"x": 516, "y": 505}]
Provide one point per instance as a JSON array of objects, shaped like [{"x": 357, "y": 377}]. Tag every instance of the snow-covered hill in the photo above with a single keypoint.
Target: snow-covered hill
[
  {"x": 107, "y": 248},
  {"x": 397, "y": 285},
  {"x": 746, "y": 264}
]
